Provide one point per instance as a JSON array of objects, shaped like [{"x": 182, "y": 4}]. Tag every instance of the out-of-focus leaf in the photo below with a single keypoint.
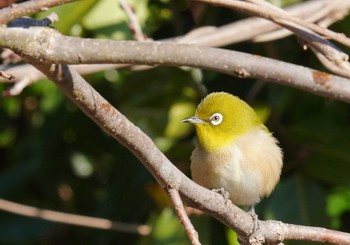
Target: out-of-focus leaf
[
  {"x": 232, "y": 237},
  {"x": 107, "y": 19},
  {"x": 263, "y": 112},
  {"x": 70, "y": 14},
  {"x": 282, "y": 3},
  {"x": 7, "y": 137},
  {"x": 338, "y": 204},
  {"x": 158, "y": 195},
  {"x": 81, "y": 165},
  {"x": 177, "y": 112},
  {"x": 166, "y": 230}
]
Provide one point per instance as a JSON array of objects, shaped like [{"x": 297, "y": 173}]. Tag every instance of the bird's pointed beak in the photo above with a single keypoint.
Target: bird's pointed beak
[{"x": 193, "y": 120}]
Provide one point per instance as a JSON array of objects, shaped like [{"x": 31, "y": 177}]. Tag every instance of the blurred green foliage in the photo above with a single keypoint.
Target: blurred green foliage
[{"x": 52, "y": 156}]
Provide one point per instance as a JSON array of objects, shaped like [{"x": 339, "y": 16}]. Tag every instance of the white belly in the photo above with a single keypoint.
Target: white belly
[{"x": 247, "y": 169}]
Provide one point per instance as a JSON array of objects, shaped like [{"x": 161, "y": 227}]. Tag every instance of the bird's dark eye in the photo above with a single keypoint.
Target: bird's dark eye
[{"x": 216, "y": 119}]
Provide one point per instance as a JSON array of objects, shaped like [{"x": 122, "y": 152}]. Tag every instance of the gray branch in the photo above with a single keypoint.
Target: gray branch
[{"x": 45, "y": 44}]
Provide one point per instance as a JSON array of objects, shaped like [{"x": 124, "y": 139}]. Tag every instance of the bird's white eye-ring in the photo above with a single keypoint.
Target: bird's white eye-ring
[{"x": 216, "y": 119}]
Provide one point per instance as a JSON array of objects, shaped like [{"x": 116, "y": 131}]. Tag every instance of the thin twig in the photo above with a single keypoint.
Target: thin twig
[
  {"x": 18, "y": 86},
  {"x": 134, "y": 23},
  {"x": 276, "y": 15},
  {"x": 330, "y": 56},
  {"x": 72, "y": 219},
  {"x": 182, "y": 215},
  {"x": 328, "y": 13},
  {"x": 7, "y": 76},
  {"x": 309, "y": 32}
]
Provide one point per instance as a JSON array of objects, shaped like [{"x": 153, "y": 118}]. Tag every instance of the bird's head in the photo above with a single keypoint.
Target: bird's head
[{"x": 220, "y": 119}]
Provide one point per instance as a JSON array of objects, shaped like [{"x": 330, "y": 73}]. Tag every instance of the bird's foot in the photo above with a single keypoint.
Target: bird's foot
[
  {"x": 224, "y": 194},
  {"x": 254, "y": 216},
  {"x": 255, "y": 237}
]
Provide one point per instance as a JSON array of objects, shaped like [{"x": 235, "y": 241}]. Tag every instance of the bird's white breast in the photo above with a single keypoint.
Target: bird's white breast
[{"x": 247, "y": 169}]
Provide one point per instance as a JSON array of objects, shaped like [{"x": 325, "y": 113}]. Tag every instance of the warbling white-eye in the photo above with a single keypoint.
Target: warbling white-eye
[{"x": 235, "y": 151}]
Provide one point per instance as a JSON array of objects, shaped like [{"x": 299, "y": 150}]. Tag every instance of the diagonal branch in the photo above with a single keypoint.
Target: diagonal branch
[
  {"x": 182, "y": 215},
  {"x": 310, "y": 33},
  {"x": 118, "y": 126}
]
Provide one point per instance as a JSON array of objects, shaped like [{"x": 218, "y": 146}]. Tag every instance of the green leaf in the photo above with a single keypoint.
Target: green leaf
[
  {"x": 70, "y": 14},
  {"x": 338, "y": 202},
  {"x": 166, "y": 230}
]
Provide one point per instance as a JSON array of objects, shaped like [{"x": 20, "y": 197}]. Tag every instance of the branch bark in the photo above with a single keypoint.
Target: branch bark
[
  {"x": 42, "y": 47},
  {"x": 118, "y": 126},
  {"x": 259, "y": 30},
  {"x": 46, "y": 44},
  {"x": 310, "y": 33},
  {"x": 72, "y": 219}
]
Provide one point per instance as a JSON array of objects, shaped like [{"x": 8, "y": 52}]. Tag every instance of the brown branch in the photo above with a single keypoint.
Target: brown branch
[
  {"x": 6, "y": 76},
  {"x": 118, "y": 126},
  {"x": 46, "y": 44},
  {"x": 322, "y": 13},
  {"x": 182, "y": 215},
  {"x": 308, "y": 32},
  {"x": 27, "y": 8},
  {"x": 72, "y": 219},
  {"x": 260, "y": 30},
  {"x": 274, "y": 16},
  {"x": 134, "y": 23},
  {"x": 238, "y": 31},
  {"x": 115, "y": 124}
]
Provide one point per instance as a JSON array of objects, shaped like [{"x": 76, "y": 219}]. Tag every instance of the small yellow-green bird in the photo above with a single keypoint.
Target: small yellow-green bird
[{"x": 235, "y": 150}]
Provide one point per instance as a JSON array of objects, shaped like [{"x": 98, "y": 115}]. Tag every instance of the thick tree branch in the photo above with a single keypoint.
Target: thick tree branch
[
  {"x": 46, "y": 44},
  {"x": 259, "y": 30}
]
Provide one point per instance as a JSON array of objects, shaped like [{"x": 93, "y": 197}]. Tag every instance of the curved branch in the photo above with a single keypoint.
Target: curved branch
[
  {"x": 45, "y": 44},
  {"x": 308, "y": 32},
  {"x": 275, "y": 16}
]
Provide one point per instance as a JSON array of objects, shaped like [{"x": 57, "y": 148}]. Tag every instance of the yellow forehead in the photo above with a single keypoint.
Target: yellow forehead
[
  {"x": 218, "y": 102},
  {"x": 238, "y": 118}
]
